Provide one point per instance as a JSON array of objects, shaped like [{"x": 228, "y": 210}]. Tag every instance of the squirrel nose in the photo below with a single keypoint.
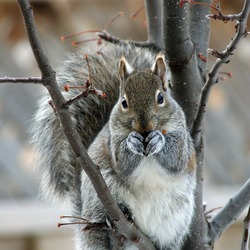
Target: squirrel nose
[{"x": 145, "y": 134}]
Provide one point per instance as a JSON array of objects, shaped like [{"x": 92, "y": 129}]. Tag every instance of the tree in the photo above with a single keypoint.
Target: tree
[{"x": 184, "y": 33}]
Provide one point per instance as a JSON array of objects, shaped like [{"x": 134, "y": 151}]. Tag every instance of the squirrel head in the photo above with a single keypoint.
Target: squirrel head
[{"x": 143, "y": 102}]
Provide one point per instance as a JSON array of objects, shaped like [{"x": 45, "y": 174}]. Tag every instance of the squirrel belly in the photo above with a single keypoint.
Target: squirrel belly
[{"x": 162, "y": 204}]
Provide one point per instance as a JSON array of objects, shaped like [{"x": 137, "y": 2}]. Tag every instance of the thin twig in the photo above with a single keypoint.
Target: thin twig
[
  {"x": 208, "y": 213},
  {"x": 75, "y": 43},
  {"x": 224, "y": 18},
  {"x": 246, "y": 232},
  {"x": 216, "y": 8},
  {"x": 112, "y": 19},
  {"x": 106, "y": 36},
  {"x": 48, "y": 75},
  {"x": 197, "y": 127},
  {"x": 85, "y": 93},
  {"x": 78, "y": 33},
  {"x": 219, "y": 16},
  {"x": 34, "y": 80},
  {"x": 135, "y": 14},
  {"x": 91, "y": 30}
]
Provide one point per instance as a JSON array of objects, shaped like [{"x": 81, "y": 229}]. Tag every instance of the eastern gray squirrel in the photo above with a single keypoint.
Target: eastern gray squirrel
[{"x": 138, "y": 137}]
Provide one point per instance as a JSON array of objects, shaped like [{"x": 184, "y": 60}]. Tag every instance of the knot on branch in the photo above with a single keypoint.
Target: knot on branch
[
  {"x": 178, "y": 63},
  {"x": 215, "y": 53}
]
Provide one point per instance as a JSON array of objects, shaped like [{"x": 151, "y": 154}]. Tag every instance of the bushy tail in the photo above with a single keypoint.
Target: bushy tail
[{"x": 55, "y": 161}]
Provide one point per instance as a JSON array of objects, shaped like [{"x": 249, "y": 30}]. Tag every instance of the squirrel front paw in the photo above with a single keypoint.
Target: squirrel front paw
[
  {"x": 154, "y": 142},
  {"x": 150, "y": 145},
  {"x": 135, "y": 143}
]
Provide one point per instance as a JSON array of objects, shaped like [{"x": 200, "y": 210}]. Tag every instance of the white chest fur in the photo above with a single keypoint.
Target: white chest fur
[{"x": 162, "y": 204}]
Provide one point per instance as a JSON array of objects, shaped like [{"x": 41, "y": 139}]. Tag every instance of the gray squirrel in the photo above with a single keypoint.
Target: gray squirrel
[{"x": 137, "y": 134}]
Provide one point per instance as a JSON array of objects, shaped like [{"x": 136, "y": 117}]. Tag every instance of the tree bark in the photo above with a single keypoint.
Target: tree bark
[{"x": 187, "y": 80}]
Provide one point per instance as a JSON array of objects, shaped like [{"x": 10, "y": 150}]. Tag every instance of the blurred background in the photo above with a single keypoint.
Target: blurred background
[{"x": 27, "y": 222}]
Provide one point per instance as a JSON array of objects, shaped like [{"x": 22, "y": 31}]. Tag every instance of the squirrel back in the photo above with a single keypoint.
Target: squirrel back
[{"x": 59, "y": 170}]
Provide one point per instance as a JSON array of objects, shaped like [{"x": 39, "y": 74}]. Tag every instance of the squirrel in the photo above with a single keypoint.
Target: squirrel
[{"x": 137, "y": 134}]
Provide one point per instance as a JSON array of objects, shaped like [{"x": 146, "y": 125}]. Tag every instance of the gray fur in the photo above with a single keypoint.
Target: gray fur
[
  {"x": 60, "y": 173},
  {"x": 151, "y": 172}
]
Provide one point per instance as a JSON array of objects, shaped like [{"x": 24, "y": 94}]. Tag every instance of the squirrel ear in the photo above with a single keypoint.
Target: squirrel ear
[
  {"x": 125, "y": 69},
  {"x": 160, "y": 69}
]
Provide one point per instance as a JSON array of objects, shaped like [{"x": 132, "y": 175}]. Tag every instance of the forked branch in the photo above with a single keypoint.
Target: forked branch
[
  {"x": 106, "y": 36},
  {"x": 231, "y": 211},
  {"x": 198, "y": 123},
  {"x": 237, "y": 204},
  {"x": 154, "y": 28}
]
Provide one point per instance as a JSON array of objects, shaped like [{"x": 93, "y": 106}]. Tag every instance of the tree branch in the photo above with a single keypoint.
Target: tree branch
[
  {"x": 230, "y": 212},
  {"x": 181, "y": 56},
  {"x": 154, "y": 22},
  {"x": 48, "y": 75},
  {"x": 106, "y": 36},
  {"x": 34, "y": 80},
  {"x": 197, "y": 128},
  {"x": 199, "y": 234},
  {"x": 199, "y": 29},
  {"x": 224, "y": 18},
  {"x": 246, "y": 232},
  {"x": 187, "y": 84}
]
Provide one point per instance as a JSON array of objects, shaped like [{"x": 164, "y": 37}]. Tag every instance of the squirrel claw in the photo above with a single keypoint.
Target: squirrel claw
[{"x": 126, "y": 211}]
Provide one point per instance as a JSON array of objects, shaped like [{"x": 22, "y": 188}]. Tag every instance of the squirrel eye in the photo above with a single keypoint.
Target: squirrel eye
[
  {"x": 124, "y": 103},
  {"x": 160, "y": 99}
]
